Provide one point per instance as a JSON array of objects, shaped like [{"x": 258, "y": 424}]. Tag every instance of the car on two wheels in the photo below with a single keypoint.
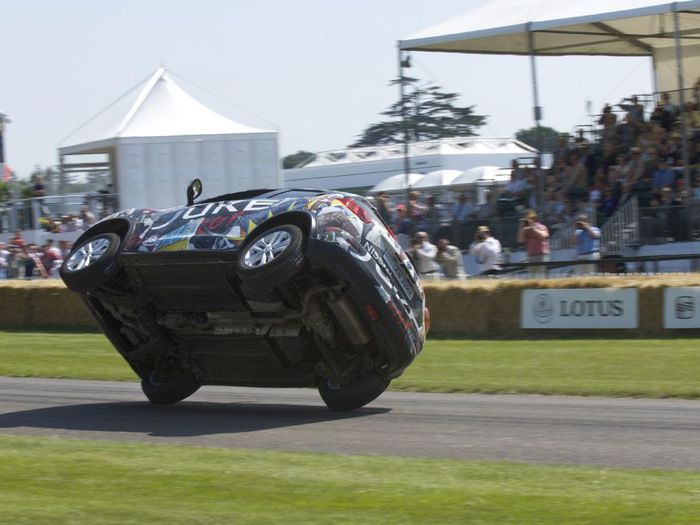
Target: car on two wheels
[{"x": 267, "y": 288}]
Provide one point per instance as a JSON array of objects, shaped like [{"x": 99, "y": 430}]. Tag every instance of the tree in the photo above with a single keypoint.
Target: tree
[
  {"x": 546, "y": 141},
  {"x": 430, "y": 113},
  {"x": 299, "y": 158}
]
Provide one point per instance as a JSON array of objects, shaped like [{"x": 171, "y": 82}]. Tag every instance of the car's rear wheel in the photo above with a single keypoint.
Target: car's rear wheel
[
  {"x": 272, "y": 257},
  {"x": 92, "y": 263},
  {"x": 167, "y": 391},
  {"x": 353, "y": 395}
]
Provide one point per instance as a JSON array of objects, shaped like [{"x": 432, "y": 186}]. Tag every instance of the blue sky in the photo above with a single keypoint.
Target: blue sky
[{"x": 317, "y": 69}]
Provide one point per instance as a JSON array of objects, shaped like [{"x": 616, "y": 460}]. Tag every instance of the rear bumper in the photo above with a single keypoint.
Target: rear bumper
[{"x": 395, "y": 334}]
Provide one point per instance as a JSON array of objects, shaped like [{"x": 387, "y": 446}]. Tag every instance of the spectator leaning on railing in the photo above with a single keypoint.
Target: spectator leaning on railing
[{"x": 450, "y": 260}]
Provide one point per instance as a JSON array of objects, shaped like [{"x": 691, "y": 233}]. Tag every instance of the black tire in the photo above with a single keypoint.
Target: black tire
[
  {"x": 170, "y": 391},
  {"x": 97, "y": 272},
  {"x": 282, "y": 267},
  {"x": 354, "y": 395}
]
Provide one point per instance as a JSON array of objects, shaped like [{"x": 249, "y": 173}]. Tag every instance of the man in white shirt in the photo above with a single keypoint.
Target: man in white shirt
[
  {"x": 486, "y": 251},
  {"x": 4, "y": 256},
  {"x": 424, "y": 253}
]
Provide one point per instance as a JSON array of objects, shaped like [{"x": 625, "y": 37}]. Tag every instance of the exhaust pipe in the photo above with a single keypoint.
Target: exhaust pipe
[{"x": 350, "y": 321}]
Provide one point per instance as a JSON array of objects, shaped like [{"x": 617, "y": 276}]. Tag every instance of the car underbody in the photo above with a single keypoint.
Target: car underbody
[{"x": 193, "y": 314}]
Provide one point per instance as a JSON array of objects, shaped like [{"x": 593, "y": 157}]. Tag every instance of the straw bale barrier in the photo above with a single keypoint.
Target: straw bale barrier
[
  {"x": 472, "y": 308},
  {"x": 42, "y": 304}
]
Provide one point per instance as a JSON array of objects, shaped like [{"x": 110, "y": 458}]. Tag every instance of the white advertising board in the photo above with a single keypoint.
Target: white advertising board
[
  {"x": 682, "y": 307},
  {"x": 579, "y": 308}
]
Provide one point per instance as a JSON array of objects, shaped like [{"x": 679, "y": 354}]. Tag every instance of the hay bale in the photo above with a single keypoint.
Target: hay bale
[{"x": 42, "y": 304}]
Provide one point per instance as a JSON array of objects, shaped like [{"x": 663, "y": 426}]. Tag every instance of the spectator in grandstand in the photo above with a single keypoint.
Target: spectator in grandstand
[
  {"x": 635, "y": 111},
  {"x": 489, "y": 208},
  {"x": 608, "y": 203},
  {"x": 561, "y": 152},
  {"x": 696, "y": 186},
  {"x": 663, "y": 176},
  {"x": 576, "y": 183},
  {"x": 48, "y": 259},
  {"x": 487, "y": 251},
  {"x": 4, "y": 255},
  {"x": 535, "y": 236},
  {"x": 64, "y": 247},
  {"x": 449, "y": 258},
  {"x": 15, "y": 261},
  {"x": 515, "y": 192},
  {"x": 416, "y": 210},
  {"x": 595, "y": 191},
  {"x": 464, "y": 208},
  {"x": 17, "y": 239},
  {"x": 587, "y": 240},
  {"x": 670, "y": 212},
  {"x": 625, "y": 194},
  {"x": 608, "y": 120},
  {"x": 33, "y": 267},
  {"x": 383, "y": 207},
  {"x": 433, "y": 216},
  {"x": 424, "y": 253},
  {"x": 403, "y": 224},
  {"x": 644, "y": 190}
]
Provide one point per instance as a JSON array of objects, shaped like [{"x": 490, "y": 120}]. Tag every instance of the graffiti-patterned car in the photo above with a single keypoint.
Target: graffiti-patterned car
[{"x": 269, "y": 288}]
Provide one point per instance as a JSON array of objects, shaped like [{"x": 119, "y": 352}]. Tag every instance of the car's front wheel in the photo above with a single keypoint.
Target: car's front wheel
[
  {"x": 169, "y": 390},
  {"x": 272, "y": 257},
  {"x": 353, "y": 395},
  {"x": 92, "y": 263}
]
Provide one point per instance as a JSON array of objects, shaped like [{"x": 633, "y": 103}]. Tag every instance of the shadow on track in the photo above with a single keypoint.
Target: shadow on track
[{"x": 181, "y": 420}]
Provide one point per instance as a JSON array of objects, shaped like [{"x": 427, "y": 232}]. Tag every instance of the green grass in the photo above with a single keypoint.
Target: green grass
[
  {"x": 605, "y": 367},
  {"x": 49, "y": 481},
  {"x": 601, "y": 367}
]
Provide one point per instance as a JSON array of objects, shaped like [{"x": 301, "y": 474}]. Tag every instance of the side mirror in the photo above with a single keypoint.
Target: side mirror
[{"x": 194, "y": 190}]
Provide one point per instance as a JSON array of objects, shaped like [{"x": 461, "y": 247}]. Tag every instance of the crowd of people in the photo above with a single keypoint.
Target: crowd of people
[
  {"x": 23, "y": 260},
  {"x": 635, "y": 153}
]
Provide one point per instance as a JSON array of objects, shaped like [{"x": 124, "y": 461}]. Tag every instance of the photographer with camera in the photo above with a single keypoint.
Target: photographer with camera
[
  {"x": 449, "y": 258},
  {"x": 423, "y": 253},
  {"x": 535, "y": 236},
  {"x": 587, "y": 239},
  {"x": 486, "y": 251}
]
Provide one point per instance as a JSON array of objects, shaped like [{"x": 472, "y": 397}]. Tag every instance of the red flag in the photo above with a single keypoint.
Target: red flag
[{"x": 6, "y": 173}]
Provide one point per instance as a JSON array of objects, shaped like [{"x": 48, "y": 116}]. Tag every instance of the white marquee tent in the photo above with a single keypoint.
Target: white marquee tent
[
  {"x": 167, "y": 138},
  {"x": 668, "y": 32},
  {"x": 575, "y": 27}
]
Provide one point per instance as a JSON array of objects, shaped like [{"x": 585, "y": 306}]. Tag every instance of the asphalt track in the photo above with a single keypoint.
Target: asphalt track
[{"x": 534, "y": 429}]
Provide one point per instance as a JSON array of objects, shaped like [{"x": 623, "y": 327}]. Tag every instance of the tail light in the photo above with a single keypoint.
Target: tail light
[
  {"x": 352, "y": 205},
  {"x": 372, "y": 312}
]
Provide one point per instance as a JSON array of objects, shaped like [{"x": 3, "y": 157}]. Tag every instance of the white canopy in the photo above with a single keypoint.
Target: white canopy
[
  {"x": 591, "y": 27},
  {"x": 162, "y": 109},
  {"x": 397, "y": 183},
  {"x": 481, "y": 173},
  {"x": 437, "y": 179}
]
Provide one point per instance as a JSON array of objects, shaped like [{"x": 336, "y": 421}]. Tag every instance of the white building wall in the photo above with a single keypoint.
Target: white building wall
[{"x": 155, "y": 174}]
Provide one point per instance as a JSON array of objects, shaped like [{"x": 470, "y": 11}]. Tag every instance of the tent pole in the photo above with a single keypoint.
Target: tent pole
[
  {"x": 537, "y": 111},
  {"x": 684, "y": 117},
  {"x": 406, "y": 160}
]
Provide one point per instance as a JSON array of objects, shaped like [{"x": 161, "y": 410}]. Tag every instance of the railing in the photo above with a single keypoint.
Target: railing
[
  {"x": 621, "y": 231},
  {"x": 40, "y": 212},
  {"x": 661, "y": 224}
]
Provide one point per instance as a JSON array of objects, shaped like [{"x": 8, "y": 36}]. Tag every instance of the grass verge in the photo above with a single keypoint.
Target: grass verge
[
  {"x": 604, "y": 367},
  {"x": 48, "y": 481}
]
